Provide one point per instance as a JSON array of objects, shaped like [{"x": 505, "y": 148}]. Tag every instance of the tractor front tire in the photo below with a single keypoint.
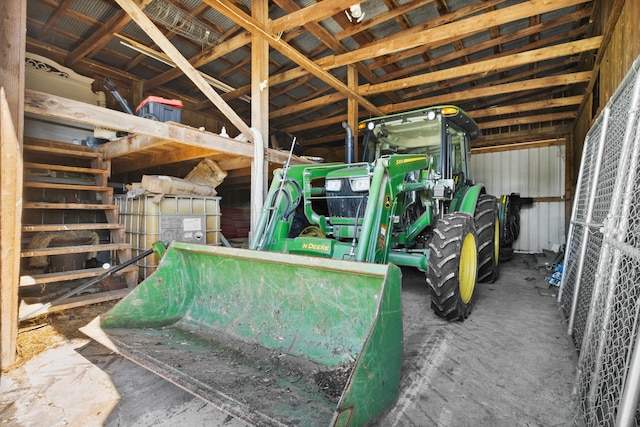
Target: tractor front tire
[
  {"x": 488, "y": 230},
  {"x": 453, "y": 266}
]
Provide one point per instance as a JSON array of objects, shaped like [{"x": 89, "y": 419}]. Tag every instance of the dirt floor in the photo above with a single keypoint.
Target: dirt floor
[{"x": 510, "y": 364}]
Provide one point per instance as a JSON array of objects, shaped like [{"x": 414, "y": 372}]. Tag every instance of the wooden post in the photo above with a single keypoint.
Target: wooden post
[
  {"x": 137, "y": 93},
  {"x": 10, "y": 226},
  {"x": 352, "y": 108},
  {"x": 569, "y": 183},
  {"x": 259, "y": 111},
  {"x": 13, "y": 22}
]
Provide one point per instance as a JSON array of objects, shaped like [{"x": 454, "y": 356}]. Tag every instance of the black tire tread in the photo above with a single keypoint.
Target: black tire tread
[
  {"x": 444, "y": 265},
  {"x": 486, "y": 215}
]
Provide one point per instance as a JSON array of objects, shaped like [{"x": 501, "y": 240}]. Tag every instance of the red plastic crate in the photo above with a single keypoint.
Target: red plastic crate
[{"x": 161, "y": 109}]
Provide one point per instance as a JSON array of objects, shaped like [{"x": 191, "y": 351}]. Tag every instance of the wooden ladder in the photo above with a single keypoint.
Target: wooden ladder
[{"x": 66, "y": 194}]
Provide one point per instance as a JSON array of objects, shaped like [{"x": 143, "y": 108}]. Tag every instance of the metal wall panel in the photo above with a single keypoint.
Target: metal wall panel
[{"x": 533, "y": 172}]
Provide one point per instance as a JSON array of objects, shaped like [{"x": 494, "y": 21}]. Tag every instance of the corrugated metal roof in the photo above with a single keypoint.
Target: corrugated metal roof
[{"x": 380, "y": 27}]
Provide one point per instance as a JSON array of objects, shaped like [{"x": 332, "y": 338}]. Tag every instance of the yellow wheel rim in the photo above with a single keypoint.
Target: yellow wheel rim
[
  {"x": 312, "y": 231},
  {"x": 496, "y": 239},
  {"x": 468, "y": 268}
]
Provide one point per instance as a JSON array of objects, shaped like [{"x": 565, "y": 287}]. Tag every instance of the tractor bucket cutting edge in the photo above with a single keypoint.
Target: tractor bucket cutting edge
[{"x": 273, "y": 339}]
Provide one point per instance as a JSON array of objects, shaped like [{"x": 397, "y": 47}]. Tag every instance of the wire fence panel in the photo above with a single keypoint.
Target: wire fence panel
[{"x": 600, "y": 291}]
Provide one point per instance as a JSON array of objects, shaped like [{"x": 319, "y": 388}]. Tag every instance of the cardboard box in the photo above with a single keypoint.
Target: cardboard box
[{"x": 162, "y": 184}]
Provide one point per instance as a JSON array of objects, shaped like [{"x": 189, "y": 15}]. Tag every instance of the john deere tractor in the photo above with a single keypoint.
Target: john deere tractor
[
  {"x": 410, "y": 201},
  {"x": 305, "y": 326}
]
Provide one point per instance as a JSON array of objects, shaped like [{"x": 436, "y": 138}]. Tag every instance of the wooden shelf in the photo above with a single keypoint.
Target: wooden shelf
[
  {"x": 72, "y": 227},
  {"x": 82, "y": 206},
  {"x": 54, "y": 186},
  {"x": 61, "y": 250},
  {"x": 46, "y": 278},
  {"x": 59, "y": 149},
  {"x": 74, "y": 302},
  {"x": 80, "y": 175},
  {"x": 62, "y": 168}
]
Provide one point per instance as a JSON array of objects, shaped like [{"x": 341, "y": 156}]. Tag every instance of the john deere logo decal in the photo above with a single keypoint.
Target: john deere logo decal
[
  {"x": 409, "y": 160},
  {"x": 316, "y": 247}
]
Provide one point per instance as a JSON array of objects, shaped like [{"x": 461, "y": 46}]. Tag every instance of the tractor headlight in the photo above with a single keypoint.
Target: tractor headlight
[
  {"x": 333, "y": 184},
  {"x": 359, "y": 184}
]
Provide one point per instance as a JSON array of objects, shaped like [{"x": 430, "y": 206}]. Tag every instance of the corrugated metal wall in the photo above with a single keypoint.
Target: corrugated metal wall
[{"x": 533, "y": 172}]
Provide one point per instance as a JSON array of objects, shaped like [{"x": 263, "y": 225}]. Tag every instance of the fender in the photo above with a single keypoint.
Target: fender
[{"x": 470, "y": 199}]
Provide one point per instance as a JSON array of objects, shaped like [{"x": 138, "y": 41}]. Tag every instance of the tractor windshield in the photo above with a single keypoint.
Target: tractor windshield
[
  {"x": 425, "y": 132},
  {"x": 414, "y": 135}
]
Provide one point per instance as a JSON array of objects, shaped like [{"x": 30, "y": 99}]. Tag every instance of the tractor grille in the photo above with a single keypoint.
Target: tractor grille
[{"x": 344, "y": 203}]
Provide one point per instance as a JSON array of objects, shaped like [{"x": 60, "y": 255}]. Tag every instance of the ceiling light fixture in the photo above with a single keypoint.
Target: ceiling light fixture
[{"x": 355, "y": 12}]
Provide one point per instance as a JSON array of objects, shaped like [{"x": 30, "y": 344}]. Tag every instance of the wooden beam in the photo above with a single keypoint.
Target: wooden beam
[
  {"x": 521, "y": 120},
  {"x": 148, "y": 133},
  {"x": 98, "y": 39},
  {"x": 554, "y": 67},
  {"x": 529, "y": 135},
  {"x": 68, "y": 109},
  {"x": 609, "y": 29},
  {"x": 432, "y": 37},
  {"x": 10, "y": 226},
  {"x": 235, "y": 163},
  {"x": 488, "y": 112},
  {"x": 488, "y": 44},
  {"x": 454, "y": 30},
  {"x": 307, "y": 105},
  {"x": 325, "y": 141},
  {"x": 203, "y": 58},
  {"x": 59, "y": 12},
  {"x": 541, "y": 83},
  {"x": 316, "y": 124},
  {"x": 383, "y": 18},
  {"x": 129, "y": 144},
  {"x": 13, "y": 15},
  {"x": 164, "y": 157},
  {"x": 352, "y": 109},
  {"x": 313, "y": 13},
  {"x": 250, "y": 24},
  {"x": 259, "y": 112},
  {"x": 487, "y": 66},
  {"x": 519, "y": 146},
  {"x": 526, "y": 107},
  {"x": 156, "y": 35},
  {"x": 325, "y": 37}
]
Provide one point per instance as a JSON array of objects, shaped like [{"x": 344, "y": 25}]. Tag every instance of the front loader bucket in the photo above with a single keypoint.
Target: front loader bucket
[{"x": 274, "y": 339}]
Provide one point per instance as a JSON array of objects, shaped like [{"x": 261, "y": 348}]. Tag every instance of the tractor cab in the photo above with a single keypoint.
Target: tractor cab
[{"x": 441, "y": 133}]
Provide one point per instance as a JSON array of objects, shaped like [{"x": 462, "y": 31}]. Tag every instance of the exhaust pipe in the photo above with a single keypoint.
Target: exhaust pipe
[{"x": 349, "y": 149}]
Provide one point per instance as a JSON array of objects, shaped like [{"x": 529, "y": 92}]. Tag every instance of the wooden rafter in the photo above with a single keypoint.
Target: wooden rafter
[
  {"x": 135, "y": 12},
  {"x": 254, "y": 27},
  {"x": 397, "y": 51}
]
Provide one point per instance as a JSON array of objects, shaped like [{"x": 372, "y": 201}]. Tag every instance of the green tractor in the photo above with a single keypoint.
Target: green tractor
[
  {"x": 410, "y": 202},
  {"x": 305, "y": 326}
]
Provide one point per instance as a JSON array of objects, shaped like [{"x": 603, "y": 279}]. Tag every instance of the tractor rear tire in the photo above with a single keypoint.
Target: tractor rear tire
[
  {"x": 488, "y": 230},
  {"x": 453, "y": 266}
]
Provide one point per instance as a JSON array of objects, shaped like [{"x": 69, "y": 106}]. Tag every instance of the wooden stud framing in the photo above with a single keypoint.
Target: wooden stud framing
[
  {"x": 352, "y": 108},
  {"x": 259, "y": 111},
  {"x": 13, "y": 18},
  {"x": 11, "y": 223}
]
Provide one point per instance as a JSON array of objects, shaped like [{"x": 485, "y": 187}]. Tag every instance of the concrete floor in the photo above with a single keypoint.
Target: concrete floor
[{"x": 509, "y": 364}]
